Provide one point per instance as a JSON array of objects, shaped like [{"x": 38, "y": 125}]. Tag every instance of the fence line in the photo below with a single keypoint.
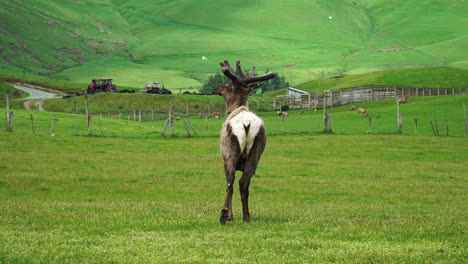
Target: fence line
[{"x": 342, "y": 96}]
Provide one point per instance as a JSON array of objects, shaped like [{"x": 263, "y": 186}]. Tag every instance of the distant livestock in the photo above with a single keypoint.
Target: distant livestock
[
  {"x": 363, "y": 112},
  {"x": 352, "y": 108},
  {"x": 403, "y": 100},
  {"x": 216, "y": 115},
  {"x": 203, "y": 115},
  {"x": 281, "y": 113}
]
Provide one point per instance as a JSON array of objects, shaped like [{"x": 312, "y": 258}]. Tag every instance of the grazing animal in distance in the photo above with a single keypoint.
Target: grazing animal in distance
[
  {"x": 243, "y": 135},
  {"x": 352, "y": 108},
  {"x": 403, "y": 101},
  {"x": 216, "y": 115},
  {"x": 281, "y": 113},
  {"x": 363, "y": 112},
  {"x": 203, "y": 115}
]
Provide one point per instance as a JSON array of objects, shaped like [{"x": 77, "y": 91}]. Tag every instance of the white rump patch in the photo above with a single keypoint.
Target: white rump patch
[{"x": 238, "y": 124}]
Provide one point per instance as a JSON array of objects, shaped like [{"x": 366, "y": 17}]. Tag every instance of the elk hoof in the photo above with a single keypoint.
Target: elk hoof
[
  {"x": 224, "y": 216},
  {"x": 246, "y": 218}
]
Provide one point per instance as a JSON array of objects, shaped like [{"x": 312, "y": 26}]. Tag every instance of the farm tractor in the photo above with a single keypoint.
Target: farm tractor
[
  {"x": 101, "y": 85},
  {"x": 154, "y": 88}
]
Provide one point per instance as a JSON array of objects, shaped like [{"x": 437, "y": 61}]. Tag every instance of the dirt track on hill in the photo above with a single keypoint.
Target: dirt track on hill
[
  {"x": 36, "y": 97},
  {"x": 34, "y": 105}
]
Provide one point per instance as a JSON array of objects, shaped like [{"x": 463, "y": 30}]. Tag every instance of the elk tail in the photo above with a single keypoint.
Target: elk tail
[{"x": 247, "y": 128}]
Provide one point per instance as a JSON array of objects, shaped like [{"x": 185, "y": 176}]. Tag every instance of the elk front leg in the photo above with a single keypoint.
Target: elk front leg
[{"x": 226, "y": 212}]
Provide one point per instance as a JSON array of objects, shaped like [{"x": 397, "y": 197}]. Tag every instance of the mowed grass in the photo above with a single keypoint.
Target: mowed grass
[{"x": 314, "y": 199}]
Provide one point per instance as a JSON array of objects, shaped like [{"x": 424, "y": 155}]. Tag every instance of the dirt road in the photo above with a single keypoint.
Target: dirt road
[{"x": 36, "y": 97}]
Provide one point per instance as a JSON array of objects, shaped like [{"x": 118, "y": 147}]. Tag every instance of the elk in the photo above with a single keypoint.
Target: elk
[
  {"x": 216, "y": 115},
  {"x": 403, "y": 101},
  {"x": 363, "y": 112},
  {"x": 243, "y": 135}
]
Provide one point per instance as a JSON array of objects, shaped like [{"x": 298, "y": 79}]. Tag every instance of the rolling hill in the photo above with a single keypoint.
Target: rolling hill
[{"x": 134, "y": 41}]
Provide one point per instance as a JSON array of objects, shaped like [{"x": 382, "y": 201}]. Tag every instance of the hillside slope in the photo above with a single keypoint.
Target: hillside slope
[{"x": 134, "y": 41}]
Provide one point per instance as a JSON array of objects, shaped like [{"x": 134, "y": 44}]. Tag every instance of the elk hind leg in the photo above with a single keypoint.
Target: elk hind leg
[
  {"x": 244, "y": 183},
  {"x": 226, "y": 211}
]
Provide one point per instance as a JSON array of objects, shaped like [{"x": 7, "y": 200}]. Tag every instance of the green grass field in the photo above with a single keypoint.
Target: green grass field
[
  {"x": 139, "y": 40},
  {"x": 315, "y": 199},
  {"x": 447, "y": 111},
  {"x": 131, "y": 195}
]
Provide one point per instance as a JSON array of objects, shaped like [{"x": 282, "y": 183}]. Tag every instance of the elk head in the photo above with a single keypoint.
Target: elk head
[{"x": 237, "y": 91}]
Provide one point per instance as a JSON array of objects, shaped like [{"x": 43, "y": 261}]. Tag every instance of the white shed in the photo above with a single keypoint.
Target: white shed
[{"x": 295, "y": 92}]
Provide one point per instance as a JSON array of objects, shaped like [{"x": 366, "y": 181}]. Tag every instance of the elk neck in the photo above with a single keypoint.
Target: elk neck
[{"x": 235, "y": 103}]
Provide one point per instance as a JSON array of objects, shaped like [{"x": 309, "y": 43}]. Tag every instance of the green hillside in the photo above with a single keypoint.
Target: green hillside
[
  {"x": 430, "y": 77},
  {"x": 135, "y": 41}
]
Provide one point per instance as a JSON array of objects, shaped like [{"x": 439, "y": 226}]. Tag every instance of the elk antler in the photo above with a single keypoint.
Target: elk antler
[{"x": 229, "y": 72}]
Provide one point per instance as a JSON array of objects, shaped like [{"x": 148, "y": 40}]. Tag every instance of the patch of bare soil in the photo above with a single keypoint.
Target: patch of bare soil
[
  {"x": 34, "y": 105},
  {"x": 394, "y": 49},
  {"x": 322, "y": 51},
  {"x": 101, "y": 28},
  {"x": 289, "y": 65}
]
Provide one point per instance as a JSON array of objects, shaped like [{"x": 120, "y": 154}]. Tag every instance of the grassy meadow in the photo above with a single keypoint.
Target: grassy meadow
[
  {"x": 129, "y": 195},
  {"x": 447, "y": 111},
  {"x": 315, "y": 199}
]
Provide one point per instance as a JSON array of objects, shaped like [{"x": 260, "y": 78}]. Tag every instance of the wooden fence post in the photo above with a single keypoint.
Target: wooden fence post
[
  {"x": 369, "y": 125},
  {"x": 282, "y": 123},
  {"x": 32, "y": 124},
  {"x": 415, "y": 126},
  {"x": 90, "y": 126},
  {"x": 88, "y": 117},
  {"x": 7, "y": 113},
  {"x": 139, "y": 114},
  {"x": 446, "y": 128},
  {"x": 400, "y": 124},
  {"x": 165, "y": 127},
  {"x": 398, "y": 111},
  {"x": 466, "y": 120},
  {"x": 187, "y": 128},
  {"x": 100, "y": 124},
  {"x": 171, "y": 117},
  {"x": 52, "y": 127},
  {"x": 193, "y": 129},
  {"x": 74, "y": 125},
  {"x": 434, "y": 130},
  {"x": 10, "y": 119}
]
